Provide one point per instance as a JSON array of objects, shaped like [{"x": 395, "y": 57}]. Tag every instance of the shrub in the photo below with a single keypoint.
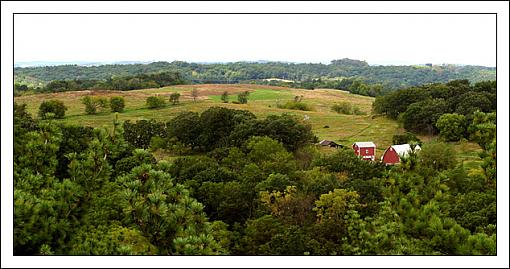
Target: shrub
[
  {"x": 224, "y": 97},
  {"x": 155, "y": 102},
  {"x": 52, "y": 109},
  {"x": 174, "y": 98},
  {"x": 93, "y": 103},
  {"x": 139, "y": 134},
  {"x": 342, "y": 108},
  {"x": 438, "y": 156},
  {"x": 117, "y": 104},
  {"x": 295, "y": 105},
  {"x": 243, "y": 97}
]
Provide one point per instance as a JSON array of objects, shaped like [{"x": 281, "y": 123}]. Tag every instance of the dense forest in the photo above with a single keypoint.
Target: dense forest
[
  {"x": 240, "y": 185},
  {"x": 446, "y": 108},
  {"x": 346, "y": 74}
]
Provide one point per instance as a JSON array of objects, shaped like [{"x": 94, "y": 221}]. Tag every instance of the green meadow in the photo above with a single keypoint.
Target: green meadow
[{"x": 262, "y": 101}]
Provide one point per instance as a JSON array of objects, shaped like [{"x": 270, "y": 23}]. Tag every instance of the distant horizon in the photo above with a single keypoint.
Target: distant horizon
[{"x": 39, "y": 63}]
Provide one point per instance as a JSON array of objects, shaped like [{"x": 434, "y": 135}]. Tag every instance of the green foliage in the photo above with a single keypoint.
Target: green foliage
[
  {"x": 452, "y": 127},
  {"x": 117, "y": 104},
  {"x": 339, "y": 74},
  {"x": 474, "y": 210},
  {"x": 405, "y": 138},
  {"x": 151, "y": 202},
  {"x": 119, "y": 82},
  {"x": 174, "y": 98},
  {"x": 226, "y": 201},
  {"x": 332, "y": 207},
  {"x": 259, "y": 232},
  {"x": 489, "y": 163},
  {"x": 92, "y": 104},
  {"x": 472, "y": 101},
  {"x": 111, "y": 240},
  {"x": 347, "y": 109},
  {"x": 139, "y": 157},
  {"x": 217, "y": 123},
  {"x": 186, "y": 127},
  {"x": 242, "y": 98},
  {"x": 75, "y": 138},
  {"x": 483, "y": 128},
  {"x": 270, "y": 155},
  {"x": 289, "y": 206},
  {"x": 420, "y": 107},
  {"x": 224, "y": 97},
  {"x": 285, "y": 128},
  {"x": 438, "y": 156},
  {"x": 153, "y": 102},
  {"x": 139, "y": 134},
  {"x": 295, "y": 106},
  {"x": 422, "y": 116},
  {"x": 344, "y": 161},
  {"x": 267, "y": 191},
  {"x": 274, "y": 182},
  {"x": 52, "y": 109}
]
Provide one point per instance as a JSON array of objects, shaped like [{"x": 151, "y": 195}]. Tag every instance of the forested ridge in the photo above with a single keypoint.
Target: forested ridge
[
  {"x": 346, "y": 74},
  {"x": 242, "y": 185}
]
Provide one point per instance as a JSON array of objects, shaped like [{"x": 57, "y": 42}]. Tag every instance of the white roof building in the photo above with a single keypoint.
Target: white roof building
[
  {"x": 364, "y": 144},
  {"x": 404, "y": 149}
]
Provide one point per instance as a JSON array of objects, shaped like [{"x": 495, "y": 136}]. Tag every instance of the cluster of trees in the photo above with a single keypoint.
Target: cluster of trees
[
  {"x": 353, "y": 75},
  {"x": 218, "y": 127},
  {"x": 255, "y": 187},
  {"x": 448, "y": 107},
  {"x": 119, "y": 83},
  {"x": 55, "y": 109}
]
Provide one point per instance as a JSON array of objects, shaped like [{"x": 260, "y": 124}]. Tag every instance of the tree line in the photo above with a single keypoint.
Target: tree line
[
  {"x": 346, "y": 74},
  {"x": 117, "y": 83},
  {"x": 239, "y": 186},
  {"x": 444, "y": 108}
]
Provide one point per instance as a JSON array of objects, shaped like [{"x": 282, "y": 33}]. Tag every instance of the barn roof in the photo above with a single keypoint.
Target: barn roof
[
  {"x": 365, "y": 144},
  {"x": 327, "y": 143},
  {"x": 404, "y": 149}
]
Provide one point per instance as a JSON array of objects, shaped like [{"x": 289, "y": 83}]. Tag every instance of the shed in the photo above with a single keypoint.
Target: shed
[
  {"x": 393, "y": 153},
  {"x": 366, "y": 150},
  {"x": 329, "y": 143}
]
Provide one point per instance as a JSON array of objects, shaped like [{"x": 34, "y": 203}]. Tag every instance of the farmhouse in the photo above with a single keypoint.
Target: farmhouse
[
  {"x": 330, "y": 144},
  {"x": 364, "y": 149},
  {"x": 393, "y": 153}
]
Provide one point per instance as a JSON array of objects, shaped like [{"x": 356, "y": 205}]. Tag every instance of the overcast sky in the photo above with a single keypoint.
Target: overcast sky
[{"x": 377, "y": 39}]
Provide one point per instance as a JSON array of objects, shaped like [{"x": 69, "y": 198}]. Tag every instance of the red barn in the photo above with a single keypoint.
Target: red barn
[
  {"x": 364, "y": 149},
  {"x": 393, "y": 153}
]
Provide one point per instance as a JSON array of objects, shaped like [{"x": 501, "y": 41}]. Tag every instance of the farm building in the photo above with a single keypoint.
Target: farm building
[
  {"x": 330, "y": 144},
  {"x": 393, "y": 153},
  {"x": 364, "y": 149}
]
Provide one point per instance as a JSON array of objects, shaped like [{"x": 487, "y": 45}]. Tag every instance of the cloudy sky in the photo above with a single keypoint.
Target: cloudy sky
[{"x": 378, "y": 39}]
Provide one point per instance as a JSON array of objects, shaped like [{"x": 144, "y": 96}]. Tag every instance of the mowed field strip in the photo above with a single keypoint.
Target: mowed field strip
[{"x": 263, "y": 100}]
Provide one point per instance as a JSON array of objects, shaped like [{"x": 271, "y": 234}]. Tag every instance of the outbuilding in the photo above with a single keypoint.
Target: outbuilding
[
  {"x": 329, "y": 143},
  {"x": 364, "y": 149},
  {"x": 394, "y": 153}
]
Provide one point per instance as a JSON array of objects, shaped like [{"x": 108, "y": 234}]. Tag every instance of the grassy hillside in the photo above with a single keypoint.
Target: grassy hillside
[{"x": 263, "y": 100}]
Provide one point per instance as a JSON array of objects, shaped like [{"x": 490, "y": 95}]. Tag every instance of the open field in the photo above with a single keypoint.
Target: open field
[{"x": 326, "y": 124}]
